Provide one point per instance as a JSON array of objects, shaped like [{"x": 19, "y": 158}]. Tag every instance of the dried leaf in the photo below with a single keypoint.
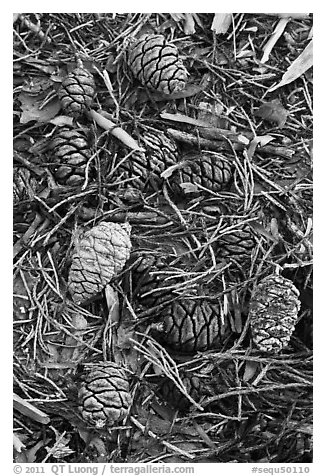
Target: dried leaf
[
  {"x": 258, "y": 141},
  {"x": 258, "y": 228},
  {"x": 74, "y": 349},
  {"x": 264, "y": 140},
  {"x": 189, "y": 24},
  {"x": 204, "y": 436},
  {"x": 210, "y": 114},
  {"x": 62, "y": 121},
  {"x": 221, "y": 23},
  {"x": 273, "y": 111},
  {"x": 297, "y": 16},
  {"x": 112, "y": 301},
  {"x": 30, "y": 106},
  {"x": 188, "y": 91},
  {"x": 189, "y": 187},
  {"x": 169, "y": 171},
  {"x": 274, "y": 229},
  {"x": 18, "y": 444},
  {"x": 250, "y": 370},
  {"x": 184, "y": 119},
  {"x": 29, "y": 410},
  {"x": 245, "y": 54},
  {"x": 277, "y": 33},
  {"x": 124, "y": 349},
  {"x": 177, "y": 16},
  {"x": 299, "y": 66}
]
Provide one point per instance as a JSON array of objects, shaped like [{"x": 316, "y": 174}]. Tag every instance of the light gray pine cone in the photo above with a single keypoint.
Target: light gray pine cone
[
  {"x": 273, "y": 313},
  {"x": 99, "y": 255}
]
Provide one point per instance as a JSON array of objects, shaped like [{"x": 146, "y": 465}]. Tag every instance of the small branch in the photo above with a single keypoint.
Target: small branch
[
  {"x": 115, "y": 130},
  {"x": 38, "y": 171},
  {"x": 30, "y": 411},
  {"x": 37, "y": 225},
  {"x": 207, "y": 131},
  {"x": 218, "y": 145}
]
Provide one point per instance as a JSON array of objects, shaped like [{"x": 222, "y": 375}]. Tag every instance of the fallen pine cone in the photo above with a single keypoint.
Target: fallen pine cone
[
  {"x": 71, "y": 153},
  {"x": 148, "y": 278},
  {"x": 238, "y": 244},
  {"x": 145, "y": 168},
  {"x": 210, "y": 171},
  {"x": 273, "y": 313},
  {"x": 169, "y": 392},
  {"x": 192, "y": 325},
  {"x": 103, "y": 396},
  {"x": 77, "y": 92},
  {"x": 155, "y": 63},
  {"x": 99, "y": 255}
]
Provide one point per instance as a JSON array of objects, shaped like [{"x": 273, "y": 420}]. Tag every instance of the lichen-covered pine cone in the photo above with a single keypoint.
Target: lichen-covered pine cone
[
  {"x": 237, "y": 244},
  {"x": 103, "y": 396},
  {"x": 196, "y": 173},
  {"x": 191, "y": 325},
  {"x": 273, "y": 313},
  {"x": 155, "y": 63},
  {"x": 145, "y": 168},
  {"x": 70, "y": 152},
  {"x": 77, "y": 92},
  {"x": 99, "y": 255}
]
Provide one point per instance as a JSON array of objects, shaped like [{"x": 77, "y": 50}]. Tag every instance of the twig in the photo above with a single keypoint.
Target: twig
[
  {"x": 115, "y": 130},
  {"x": 219, "y": 145},
  {"x": 29, "y": 410},
  {"x": 247, "y": 391},
  {"x": 38, "y": 171},
  {"x": 24, "y": 240},
  {"x": 158, "y": 356},
  {"x": 168, "y": 445},
  {"x": 173, "y": 206}
]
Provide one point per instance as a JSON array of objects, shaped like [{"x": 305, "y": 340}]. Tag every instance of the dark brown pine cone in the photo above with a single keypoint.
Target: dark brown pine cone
[
  {"x": 71, "y": 153},
  {"x": 148, "y": 278},
  {"x": 169, "y": 392},
  {"x": 103, "y": 396},
  {"x": 273, "y": 313},
  {"x": 192, "y": 325},
  {"x": 155, "y": 63},
  {"x": 77, "y": 92},
  {"x": 145, "y": 168},
  {"x": 199, "y": 173},
  {"x": 237, "y": 245}
]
